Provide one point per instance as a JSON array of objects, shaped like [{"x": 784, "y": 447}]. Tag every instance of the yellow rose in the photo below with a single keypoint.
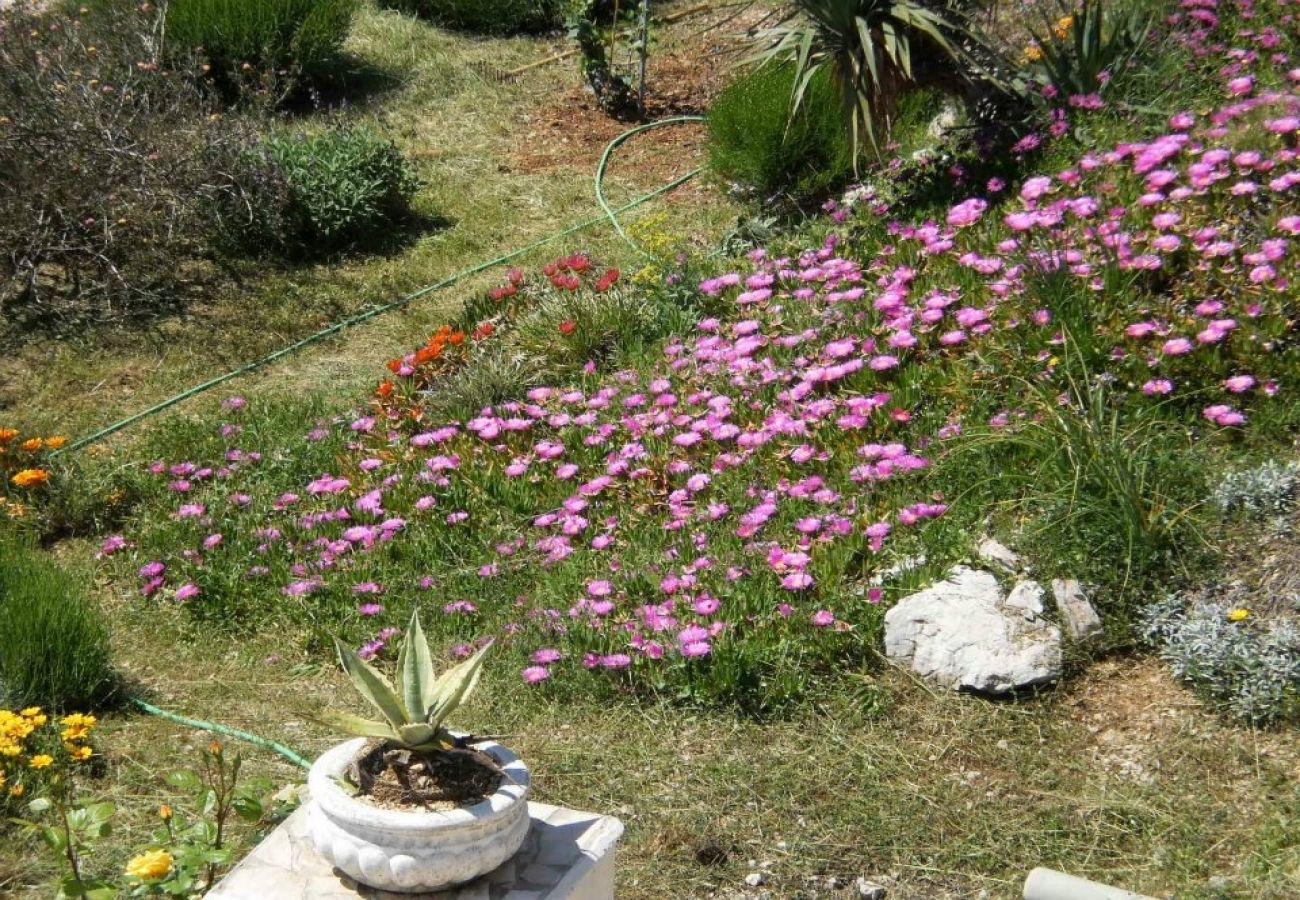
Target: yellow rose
[{"x": 150, "y": 865}]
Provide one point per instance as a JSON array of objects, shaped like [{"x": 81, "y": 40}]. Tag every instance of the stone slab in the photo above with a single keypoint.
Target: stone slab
[{"x": 568, "y": 855}]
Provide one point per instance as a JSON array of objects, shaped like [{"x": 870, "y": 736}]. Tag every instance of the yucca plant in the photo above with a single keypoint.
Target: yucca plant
[
  {"x": 1079, "y": 49},
  {"x": 868, "y": 47},
  {"x": 414, "y": 710}
]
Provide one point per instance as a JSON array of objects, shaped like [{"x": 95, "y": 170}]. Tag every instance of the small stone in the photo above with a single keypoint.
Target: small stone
[
  {"x": 755, "y": 879},
  {"x": 993, "y": 551},
  {"x": 870, "y": 890},
  {"x": 1027, "y": 595},
  {"x": 1077, "y": 614}
]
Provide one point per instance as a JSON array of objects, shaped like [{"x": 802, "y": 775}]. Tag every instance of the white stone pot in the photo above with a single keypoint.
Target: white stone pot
[{"x": 415, "y": 851}]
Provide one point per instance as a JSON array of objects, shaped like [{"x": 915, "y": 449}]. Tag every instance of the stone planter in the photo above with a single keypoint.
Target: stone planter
[{"x": 412, "y": 852}]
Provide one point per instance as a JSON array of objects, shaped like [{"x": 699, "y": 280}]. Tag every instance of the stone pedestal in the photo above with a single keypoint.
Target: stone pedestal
[{"x": 568, "y": 855}]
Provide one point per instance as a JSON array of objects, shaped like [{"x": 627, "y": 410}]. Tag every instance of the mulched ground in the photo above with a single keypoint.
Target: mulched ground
[{"x": 571, "y": 131}]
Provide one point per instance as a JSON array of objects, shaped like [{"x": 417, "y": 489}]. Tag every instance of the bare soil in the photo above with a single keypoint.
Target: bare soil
[{"x": 395, "y": 778}]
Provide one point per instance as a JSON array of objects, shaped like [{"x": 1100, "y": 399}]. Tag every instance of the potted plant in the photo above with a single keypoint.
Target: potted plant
[{"x": 408, "y": 805}]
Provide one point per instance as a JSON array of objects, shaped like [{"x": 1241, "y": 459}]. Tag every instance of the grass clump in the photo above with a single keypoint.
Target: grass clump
[
  {"x": 54, "y": 645},
  {"x": 300, "y": 196},
  {"x": 263, "y": 37},
  {"x": 755, "y": 143}
]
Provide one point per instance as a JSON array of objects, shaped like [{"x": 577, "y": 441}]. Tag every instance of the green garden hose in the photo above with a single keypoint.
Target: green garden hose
[
  {"x": 262, "y": 742},
  {"x": 612, "y": 214},
  {"x": 608, "y": 213}
]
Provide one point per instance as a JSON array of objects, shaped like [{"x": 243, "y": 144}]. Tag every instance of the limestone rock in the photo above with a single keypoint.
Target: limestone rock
[
  {"x": 964, "y": 633},
  {"x": 999, "y": 554},
  {"x": 1077, "y": 614}
]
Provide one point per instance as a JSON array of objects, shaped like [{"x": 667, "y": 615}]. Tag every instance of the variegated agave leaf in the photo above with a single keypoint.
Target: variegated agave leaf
[{"x": 373, "y": 686}]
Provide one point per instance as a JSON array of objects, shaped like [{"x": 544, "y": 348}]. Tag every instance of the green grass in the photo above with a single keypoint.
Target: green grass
[
  {"x": 54, "y": 645},
  {"x": 1121, "y": 777},
  {"x": 464, "y": 130}
]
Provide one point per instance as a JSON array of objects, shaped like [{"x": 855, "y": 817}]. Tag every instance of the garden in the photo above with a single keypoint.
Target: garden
[{"x": 644, "y": 369}]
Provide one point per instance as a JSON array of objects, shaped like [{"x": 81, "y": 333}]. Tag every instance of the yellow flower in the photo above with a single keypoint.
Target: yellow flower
[
  {"x": 1063, "y": 26},
  {"x": 1032, "y": 53},
  {"x": 31, "y": 477},
  {"x": 40, "y": 761},
  {"x": 76, "y": 727},
  {"x": 56, "y": 442},
  {"x": 1238, "y": 614},
  {"x": 9, "y": 747},
  {"x": 2, "y": 778},
  {"x": 150, "y": 865},
  {"x": 164, "y": 812},
  {"x": 34, "y": 715},
  {"x": 80, "y": 754},
  {"x": 31, "y": 445},
  {"x": 16, "y": 791}
]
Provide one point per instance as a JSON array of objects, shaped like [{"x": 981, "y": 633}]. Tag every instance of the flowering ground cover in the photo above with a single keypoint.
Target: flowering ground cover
[
  {"x": 701, "y": 489},
  {"x": 726, "y": 517}
]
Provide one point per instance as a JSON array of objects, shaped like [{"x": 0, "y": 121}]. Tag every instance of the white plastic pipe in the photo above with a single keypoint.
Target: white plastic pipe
[{"x": 1047, "y": 884}]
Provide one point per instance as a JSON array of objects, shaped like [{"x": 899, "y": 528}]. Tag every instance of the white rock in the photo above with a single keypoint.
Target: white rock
[
  {"x": 1077, "y": 614},
  {"x": 963, "y": 633},
  {"x": 997, "y": 553},
  {"x": 754, "y": 879},
  {"x": 1027, "y": 596},
  {"x": 869, "y": 890}
]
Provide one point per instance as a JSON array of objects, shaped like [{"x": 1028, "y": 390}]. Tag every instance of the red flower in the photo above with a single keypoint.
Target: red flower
[
  {"x": 393, "y": 365},
  {"x": 516, "y": 275},
  {"x": 607, "y": 280},
  {"x": 567, "y": 326},
  {"x": 385, "y": 389},
  {"x": 483, "y": 331}
]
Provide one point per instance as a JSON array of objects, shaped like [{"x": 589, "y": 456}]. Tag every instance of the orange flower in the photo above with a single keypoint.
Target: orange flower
[
  {"x": 31, "y": 445},
  {"x": 31, "y": 478},
  {"x": 56, "y": 442},
  {"x": 7, "y": 435},
  {"x": 393, "y": 365},
  {"x": 385, "y": 389},
  {"x": 457, "y": 338}
]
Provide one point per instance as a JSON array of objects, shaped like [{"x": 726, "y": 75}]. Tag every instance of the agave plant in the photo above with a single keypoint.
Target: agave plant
[
  {"x": 413, "y": 711},
  {"x": 867, "y": 45}
]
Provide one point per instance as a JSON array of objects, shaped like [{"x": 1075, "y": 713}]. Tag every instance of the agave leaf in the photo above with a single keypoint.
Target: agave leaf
[
  {"x": 454, "y": 685},
  {"x": 357, "y": 725},
  {"x": 415, "y": 672},
  {"x": 416, "y": 735},
  {"x": 372, "y": 685}
]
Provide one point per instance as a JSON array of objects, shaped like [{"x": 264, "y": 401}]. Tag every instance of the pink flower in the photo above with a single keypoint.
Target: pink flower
[
  {"x": 1177, "y": 347},
  {"x": 967, "y": 212},
  {"x": 536, "y": 674},
  {"x": 823, "y": 618},
  {"x": 1158, "y": 386},
  {"x": 1238, "y": 384},
  {"x": 187, "y": 591}
]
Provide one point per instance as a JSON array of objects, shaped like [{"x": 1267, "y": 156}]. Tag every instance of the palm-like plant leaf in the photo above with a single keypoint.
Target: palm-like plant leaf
[
  {"x": 356, "y": 725},
  {"x": 867, "y": 45},
  {"x": 372, "y": 685},
  {"x": 453, "y": 686},
  {"x": 415, "y": 672}
]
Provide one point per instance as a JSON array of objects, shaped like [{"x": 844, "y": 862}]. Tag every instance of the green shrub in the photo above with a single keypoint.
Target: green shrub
[
  {"x": 754, "y": 143},
  {"x": 491, "y": 16},
  {"x": 305, "y": 195},
  {"x": 274, "y": 37},
  {"x": 54, "y": 645}
]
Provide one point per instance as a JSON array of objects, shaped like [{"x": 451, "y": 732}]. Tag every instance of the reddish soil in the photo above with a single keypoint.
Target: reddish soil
[{"x": 571, "y": 131}]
